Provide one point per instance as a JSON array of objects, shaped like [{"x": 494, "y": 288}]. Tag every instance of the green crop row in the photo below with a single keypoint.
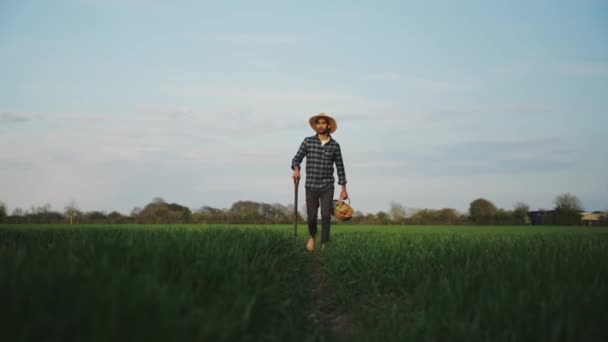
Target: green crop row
[
  {"x": 157, "y": 284},
  {"x": 472, "y": 287},
  {"x": 257, "y": 283}
]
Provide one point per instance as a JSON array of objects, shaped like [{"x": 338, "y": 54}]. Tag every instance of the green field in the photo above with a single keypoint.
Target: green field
[{"x": 248, "y": 282}]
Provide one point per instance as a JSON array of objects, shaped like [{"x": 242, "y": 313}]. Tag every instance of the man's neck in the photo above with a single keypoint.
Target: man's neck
[{"x": 322, "y": 137}]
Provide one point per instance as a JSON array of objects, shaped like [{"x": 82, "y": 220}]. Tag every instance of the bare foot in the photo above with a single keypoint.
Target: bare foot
[{"x": 311, "y": 244}]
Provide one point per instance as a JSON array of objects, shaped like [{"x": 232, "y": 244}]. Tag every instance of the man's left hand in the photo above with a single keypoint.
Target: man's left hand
[{"x": 343, "y": 195}]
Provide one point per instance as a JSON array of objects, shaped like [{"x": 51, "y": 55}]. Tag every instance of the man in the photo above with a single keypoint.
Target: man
[{"x": 321, "y": 152}]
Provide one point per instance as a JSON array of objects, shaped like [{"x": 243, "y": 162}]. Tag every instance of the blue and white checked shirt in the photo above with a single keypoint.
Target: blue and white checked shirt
[{"x": 320, "y": 161}]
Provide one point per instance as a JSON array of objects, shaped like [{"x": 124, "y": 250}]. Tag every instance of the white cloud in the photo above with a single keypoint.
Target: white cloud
[
  {"x": 251, "y": 108},
  {"x": 12, "y": 117},
  {"x": 117, "y": 167}
]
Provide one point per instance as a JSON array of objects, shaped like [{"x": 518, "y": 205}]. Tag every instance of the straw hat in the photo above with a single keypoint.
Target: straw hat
[{"x": 332, "y": 122}]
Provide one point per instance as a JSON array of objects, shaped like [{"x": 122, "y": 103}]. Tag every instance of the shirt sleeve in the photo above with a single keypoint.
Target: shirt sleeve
[
  {"x": 297, "y": 159},
  {"x": 340, "y": 167}
]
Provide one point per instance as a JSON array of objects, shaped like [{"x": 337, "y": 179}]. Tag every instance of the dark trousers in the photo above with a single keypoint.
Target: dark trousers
[{"x": 325, "y": 198}]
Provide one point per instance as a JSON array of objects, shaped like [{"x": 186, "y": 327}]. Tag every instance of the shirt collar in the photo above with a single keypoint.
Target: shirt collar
[{"x": 317, "y": 137}]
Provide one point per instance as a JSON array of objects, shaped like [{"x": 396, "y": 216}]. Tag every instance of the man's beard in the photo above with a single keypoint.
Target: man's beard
[{"x": 322, "y": 131}]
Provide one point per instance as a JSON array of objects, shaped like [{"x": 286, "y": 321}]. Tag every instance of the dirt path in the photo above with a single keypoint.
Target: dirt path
[{"x": 324, "y": 312}]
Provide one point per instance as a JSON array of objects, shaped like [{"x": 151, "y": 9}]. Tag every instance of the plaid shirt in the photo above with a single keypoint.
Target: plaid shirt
[{"x": 320, "y": 162}]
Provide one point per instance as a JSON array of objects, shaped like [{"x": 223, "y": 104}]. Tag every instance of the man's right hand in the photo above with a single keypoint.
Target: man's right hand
[{"x": 296, "y": 174}]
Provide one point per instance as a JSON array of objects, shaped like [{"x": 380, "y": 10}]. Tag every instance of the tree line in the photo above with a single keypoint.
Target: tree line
[{"x": 567, "y": 211}]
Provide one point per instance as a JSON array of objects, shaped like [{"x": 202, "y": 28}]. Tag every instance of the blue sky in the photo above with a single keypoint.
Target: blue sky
[{"x": 111, "y": 103}]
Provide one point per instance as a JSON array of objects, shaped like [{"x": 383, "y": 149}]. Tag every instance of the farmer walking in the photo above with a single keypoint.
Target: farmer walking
[{"x": 321, "y": 152}]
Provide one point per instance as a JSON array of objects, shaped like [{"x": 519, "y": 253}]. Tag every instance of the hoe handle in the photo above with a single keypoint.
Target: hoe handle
[{"x": 296, "y": 182}]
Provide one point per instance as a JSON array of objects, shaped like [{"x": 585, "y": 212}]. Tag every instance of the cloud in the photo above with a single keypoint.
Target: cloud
[
  {"x": 14, "y": 117},
  {"x": 494, "y": 150},
  {"x": 81, "y": 117},
  {"x": 148, "y": 135},
  {"x": 15, "y": 165},
  {"x": 242, "y": 108},
  {"x": 472, "y": 158},
  {"x": 179, "y": 151},
  {"x": 463, "y": 113}
]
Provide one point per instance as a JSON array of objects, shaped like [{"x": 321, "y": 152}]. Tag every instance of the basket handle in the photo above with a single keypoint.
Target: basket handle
[{"x": 347, "y": 199}]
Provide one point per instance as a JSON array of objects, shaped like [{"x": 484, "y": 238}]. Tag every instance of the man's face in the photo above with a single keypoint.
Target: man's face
[{"x": 322, "y": 126}]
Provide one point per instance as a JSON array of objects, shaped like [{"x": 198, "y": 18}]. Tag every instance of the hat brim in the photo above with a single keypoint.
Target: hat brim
[{"x": 332, "y": 122}]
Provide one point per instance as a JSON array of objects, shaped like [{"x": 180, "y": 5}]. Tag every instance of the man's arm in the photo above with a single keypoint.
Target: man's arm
[
  {"x": 343, "y": 193},
  {"x": 341, "y": 173},
  {"x": 297, "y": 159}
]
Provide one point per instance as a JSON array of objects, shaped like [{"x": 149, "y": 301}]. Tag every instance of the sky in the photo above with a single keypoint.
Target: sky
[{"x": 204, "y": 103}]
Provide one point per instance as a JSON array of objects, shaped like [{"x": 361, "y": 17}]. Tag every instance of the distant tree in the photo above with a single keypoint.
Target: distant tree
[
  {"x": 568, "y": 202},
  {"x": 397, "y": 212},
  {"x": 409, "y": 211},
  {"x": 448, "y": 216},
  {"x": 44, "y": 214},
  {"x": 465, "y": 218},
  {"x": 153, "y": 213},
  {"x": 179, "y": 213},
  {"x": 207, "y": 214},
  {"x": 504, "y": 217},
  {"x": 245, "y": 212},
  {"x": 520, "y": 213},
  {"x": 95, "y": 216},
  {"x": 302, "y": 211},
  {"x": 159, "y": 211},
  {"x": 158, "y": 200},
  {"x": 568, "y": 209},
  {"x": 358, "y": 217},
  {"x": 370, "y": 218},
  {"x": 482, "y": 211},
  {"x": 116, "y": 218},
  {"x": 17, "y": 216},
  {"x": 208, "y": 211},
  {"x": 425, "y": 216},
  {"x": 135, "y": 212},
  {"x": 289, "y": 212},
  {"x": 266, "y": 212},
  {"x": 280, "y": 213},
  {"x": 383, "y": 218},
  {"x": 71, "y": 210},
  {"x": 3, "y": 211},
  {"x": 41, "y": 209}
]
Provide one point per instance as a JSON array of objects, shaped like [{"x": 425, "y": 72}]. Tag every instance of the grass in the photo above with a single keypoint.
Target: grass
[
  {"x": 150, "y": 284},
  {"x": 472, "y": 287},
  {"x": 254, "y": 282}
]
